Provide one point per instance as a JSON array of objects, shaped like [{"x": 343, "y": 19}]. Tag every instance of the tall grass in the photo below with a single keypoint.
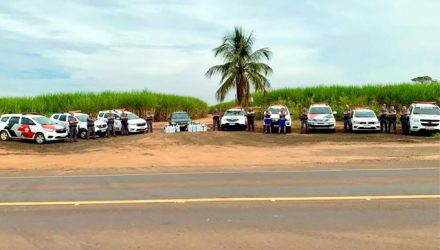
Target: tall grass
[
  {"x": 136, "y": 101},
  {"x": 338, "y": 96}
]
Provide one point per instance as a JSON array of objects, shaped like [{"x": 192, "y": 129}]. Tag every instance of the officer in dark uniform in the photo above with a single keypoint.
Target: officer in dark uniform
[
  {"x": 73, "y": 127},
  {"x": 150, "y": 118},
  {"x": 250, "y": 119},
  {"x": 404, "y": 120},
  {"x": 267, "y": 122},
  {"x": 91, "y": 126},
  {"x": 304, "y": 119},
  {"x": 383, "y": 118},
  {"x": 111, "y": 125},
  {"x": 124, "y": 123},
  {"x": 347, "y": 119},
  {"x": 216, "y": 120},
  {"x": 392, "y": 117}
]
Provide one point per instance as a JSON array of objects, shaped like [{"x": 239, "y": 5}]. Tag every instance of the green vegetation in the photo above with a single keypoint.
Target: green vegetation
[
  {"x": 136, "y": 101},
  {"x": 436, "y": 136},
  {"x": 242, "y": 69},
  {"x": 337, "y": 96}
]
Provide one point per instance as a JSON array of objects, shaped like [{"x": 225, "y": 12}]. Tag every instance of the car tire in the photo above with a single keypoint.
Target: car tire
[
  {"x": 83, "y": 134},
  {"x": 39, "y": 138},
  {"x": 4, "y": 136}
]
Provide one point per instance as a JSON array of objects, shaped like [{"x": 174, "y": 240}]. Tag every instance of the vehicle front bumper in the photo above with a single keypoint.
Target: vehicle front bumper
[
  {"x": 275, "y": 123},
  {"x": 316, "y": 125},
  {"x": 137, "y": 128},
  {"x": 416, "y": 127},
  {"x": 366, "y": 127},
  {"x": 54, "y": 136}
]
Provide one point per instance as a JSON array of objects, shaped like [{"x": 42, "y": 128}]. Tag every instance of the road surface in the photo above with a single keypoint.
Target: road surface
[{"x": 331, "y": 209}]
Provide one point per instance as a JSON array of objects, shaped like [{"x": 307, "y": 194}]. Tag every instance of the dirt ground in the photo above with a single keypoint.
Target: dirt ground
[{"x": 233, "y": 150}]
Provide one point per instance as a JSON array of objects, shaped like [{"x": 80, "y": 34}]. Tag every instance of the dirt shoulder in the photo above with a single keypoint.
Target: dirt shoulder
[{"x": 211, "y": 151}]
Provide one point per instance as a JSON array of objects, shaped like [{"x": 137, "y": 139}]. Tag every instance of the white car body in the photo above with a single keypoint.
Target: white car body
[
  {"x": 30, "y": 127},
  {"x": 321, "y": 117},
  {"x": 364, "y": 120},
  {"x": 424, "y": 117},
  {"x": 62, "y": 119},
  {"x": 135, "y": 124},
  {"x": 235, "y": 117},
  {"x": 275, "y": 116}
]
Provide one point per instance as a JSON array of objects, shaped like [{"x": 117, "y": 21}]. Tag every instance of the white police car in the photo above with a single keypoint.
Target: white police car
[
  {"x": 364, "y": 119},
  {"x": 424, "y": 116},
  {"x": 234, "y": 118},
  {"x": 275, "y": 117},
  {"x": 135, "y": 124},
  {"x": 62, "y": 118},
  {"x": 30, "y": 127},
  {"x": 321, "y": 117}
]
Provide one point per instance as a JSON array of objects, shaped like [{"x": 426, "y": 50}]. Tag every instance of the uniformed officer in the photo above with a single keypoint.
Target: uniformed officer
[
  {"x": 124, "y": 123},
  {"x": 304, "y": 119},
  {"x": 282, "y": 121},
  {"x": 267, "y": 122},
  {"x": 111, "y": 125},
  {"x": 150, "y": 118},
  {"x": 404, "y": 120},
  {"x": 216, "y": 120},
  {"x": 91, "y": 126},
  {"x": 347, "y": 119},
  {"x": 250, "y": 119},
  {"x": 73, "y": 127},
  {"x": 392, "y": 117},
  {"x": 383, "y": 115}
]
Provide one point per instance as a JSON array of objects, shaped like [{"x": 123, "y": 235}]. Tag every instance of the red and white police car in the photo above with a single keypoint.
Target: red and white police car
[
  {"x": 28, "y": 126},
  {"x": 321, "y": 117}
]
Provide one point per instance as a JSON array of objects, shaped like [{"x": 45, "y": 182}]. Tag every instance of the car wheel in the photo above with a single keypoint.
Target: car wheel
[
  {"x": 4, "y": 136},
  {"x": 83, "y": 134},
  {"x": 39, "y": 138}
]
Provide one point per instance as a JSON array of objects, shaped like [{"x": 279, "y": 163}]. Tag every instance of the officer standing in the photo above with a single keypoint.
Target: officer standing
[
  {"x": 267, "y": 122},
  {"x": 404, "y": 120},
  {"x": 347, "y": 119},
  {"x": 150, "y": 118},
  {"x": 111, "y": 125},
  {"x": 383, "y": 118},
  {"x": 91, "y": 126},
  {"x": 216, "y": 120},
  {"x": 124, "y": 123},
  {"x": 392, "y": 117},
  {"x": 304, "y": 119},
  {"x": 282, "y": 122},
  {"x": 250, "y": 119},
  {"x": 73, "y": 127}
]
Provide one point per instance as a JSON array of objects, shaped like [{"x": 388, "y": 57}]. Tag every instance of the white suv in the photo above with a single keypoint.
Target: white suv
[
  {"x": 62, "y": 118},
  {"x": 424, "y": 116},
  {"x": 234, "y": 118},
  {"x": 275, "y": 117},
  {"x": 30, "y": 127},
  {"x": 364, "y": 119},
  {"x": 135, "y": 124},
  {"x": 321, "y": 117}
]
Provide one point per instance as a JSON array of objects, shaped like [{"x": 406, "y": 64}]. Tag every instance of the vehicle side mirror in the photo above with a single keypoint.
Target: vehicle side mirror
[
  {"x": 334, "y": 112},
  {"x": 118, "y": 118}
]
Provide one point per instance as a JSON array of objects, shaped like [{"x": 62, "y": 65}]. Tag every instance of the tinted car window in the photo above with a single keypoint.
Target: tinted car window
[
  {"x": 5, "y": 119},
  {"x": 56, "y": 117},
  {"x": 320, "y": 110},
  {"x": 63, "y": 118},
  {"x": 427, "y": 110},
  {"x": 13, "y": 120},
  {"x": 27, "y": 121},
  {"x": 182, "y": 116}
]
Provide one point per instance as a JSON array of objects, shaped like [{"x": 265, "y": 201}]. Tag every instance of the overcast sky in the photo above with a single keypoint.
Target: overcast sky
[{"x": 166, "y": 45}]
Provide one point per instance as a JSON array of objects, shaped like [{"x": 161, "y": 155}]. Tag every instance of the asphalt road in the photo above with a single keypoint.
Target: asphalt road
[{"x": 346, "y": 209}]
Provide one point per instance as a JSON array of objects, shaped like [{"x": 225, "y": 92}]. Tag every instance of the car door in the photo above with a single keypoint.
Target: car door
[
  {"x": 118, "y": 124},
  {"x": 12, "y": 127},
  {"x": 28, "y": 128}
]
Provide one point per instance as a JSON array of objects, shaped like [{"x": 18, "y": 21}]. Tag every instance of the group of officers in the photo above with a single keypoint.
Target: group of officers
[{"x": 111, "y": 131}]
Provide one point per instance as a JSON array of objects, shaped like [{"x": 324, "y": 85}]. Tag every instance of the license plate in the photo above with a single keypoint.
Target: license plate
[{"x": 430, "y": 128}]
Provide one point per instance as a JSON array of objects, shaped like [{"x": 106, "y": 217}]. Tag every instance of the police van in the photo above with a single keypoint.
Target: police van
[
  {"x": 364, "y": 119},
  {"x": 62, "y": 119},
  {"x": 135, "y": 124},
  {"x": 30, "y": 126},
  {"x": 424, "y": 116},
  {"x": 321, "y": 117}
]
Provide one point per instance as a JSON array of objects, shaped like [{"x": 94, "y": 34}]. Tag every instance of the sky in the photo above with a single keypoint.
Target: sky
[{"x": 166, "y": 45}]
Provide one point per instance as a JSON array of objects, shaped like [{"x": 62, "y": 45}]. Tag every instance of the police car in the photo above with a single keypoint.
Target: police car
[
  {"x": 364, "y": 119},
  {"x": 135, "y": 124},
  {"x": 321, "y": 117},
  {"x": 424, "y": 116},
  {"x": 275, "y": 117},
  {"x": 234, "y": 118},
  {"x": 30, "y": 127},
  {"x": 62, "y": 119}
]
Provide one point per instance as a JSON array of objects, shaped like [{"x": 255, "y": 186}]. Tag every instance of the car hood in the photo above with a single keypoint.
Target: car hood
[
  {"x": 277, "y": 116},
  {"x": 370, "y": 119},
  {"x": 429, "y": 117},
  {"x": 321, "y": 116},
  {"x": 100, "y": 122},
  {"x": 136, "y": 121}
]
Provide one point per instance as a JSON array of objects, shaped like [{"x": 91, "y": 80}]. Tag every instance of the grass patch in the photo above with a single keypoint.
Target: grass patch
[{"x": 436, "y": 136}]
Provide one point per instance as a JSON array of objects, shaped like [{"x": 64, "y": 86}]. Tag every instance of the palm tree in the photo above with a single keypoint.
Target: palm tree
[{"x": 242, "y": 67}]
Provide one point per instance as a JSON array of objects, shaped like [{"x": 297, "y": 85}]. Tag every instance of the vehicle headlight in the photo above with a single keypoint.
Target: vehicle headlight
[{"x": 415, "y": 119}]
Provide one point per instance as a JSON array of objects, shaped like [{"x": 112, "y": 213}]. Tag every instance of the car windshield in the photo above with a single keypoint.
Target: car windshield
[
  {"x": 277, "y": 110},
  {"x": 427, "y": 110},
  {"x": 234, "y": 113},
  {"x": 320, "y": 110},
  {"x": 364, "y": 114},
  {"x": 82, "y": 118},
  {"x": 43, "y": 120},
  {"x": 132, "y": 116},
  {"x": 182, "y": 116}
]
